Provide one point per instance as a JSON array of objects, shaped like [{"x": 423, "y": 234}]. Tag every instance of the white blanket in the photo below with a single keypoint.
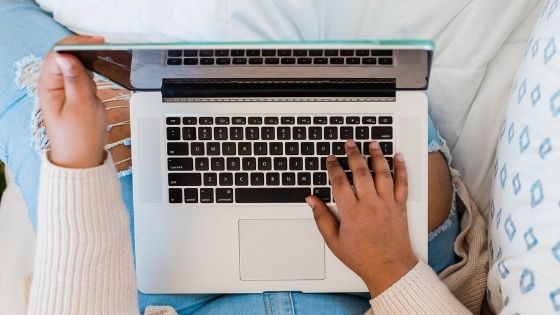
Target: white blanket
[{"x": 466, "y": 100}]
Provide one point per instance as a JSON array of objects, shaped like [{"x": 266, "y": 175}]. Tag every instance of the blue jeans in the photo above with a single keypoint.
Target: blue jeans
[{"x": 29, "y": 30}]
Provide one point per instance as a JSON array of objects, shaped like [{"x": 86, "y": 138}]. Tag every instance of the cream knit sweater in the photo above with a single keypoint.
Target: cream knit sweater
[{"x": 83, "y": 263}]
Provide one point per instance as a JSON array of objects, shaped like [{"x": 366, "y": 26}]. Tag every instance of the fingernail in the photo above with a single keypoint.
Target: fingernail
[
  {"x": 331, "y": 158},
  {"x": 374, "y": 145},
  {"x": 399, "y": 157},
  {"x": 65, "y": 65},
  {"x": 308, "y": 200},
  {"x": 351, "y": 143}
]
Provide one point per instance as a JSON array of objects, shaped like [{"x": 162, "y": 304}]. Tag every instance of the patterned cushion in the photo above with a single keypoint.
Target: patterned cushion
[{"x": 524, "y": 223}]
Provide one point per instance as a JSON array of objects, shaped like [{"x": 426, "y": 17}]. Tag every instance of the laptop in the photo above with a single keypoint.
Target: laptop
[{"x": 229, "y": 138}]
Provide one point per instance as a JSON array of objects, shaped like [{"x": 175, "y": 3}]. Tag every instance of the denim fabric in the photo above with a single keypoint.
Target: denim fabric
[{"x": 29, "y": 30}]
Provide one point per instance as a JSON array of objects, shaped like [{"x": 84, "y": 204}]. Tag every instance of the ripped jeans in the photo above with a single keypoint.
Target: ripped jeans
[{"x": 30, "y": 31}]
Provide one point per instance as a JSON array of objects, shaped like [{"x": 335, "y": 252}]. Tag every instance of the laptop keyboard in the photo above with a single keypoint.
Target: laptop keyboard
[
  {"x": 264, "y": 159},
  {"x": 279, "y": 57}
]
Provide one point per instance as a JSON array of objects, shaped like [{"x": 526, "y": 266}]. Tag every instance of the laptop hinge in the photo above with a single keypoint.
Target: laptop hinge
[{"x": 184, "y": 90}]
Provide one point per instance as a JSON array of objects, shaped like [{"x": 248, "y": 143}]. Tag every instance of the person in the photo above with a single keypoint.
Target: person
[{"x": 16, "y": 107}]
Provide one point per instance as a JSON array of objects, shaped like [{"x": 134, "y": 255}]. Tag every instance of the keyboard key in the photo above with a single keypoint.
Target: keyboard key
[
  {"x": 343, "y": 161},
  {"x": 204, "y": 133},
  {"x": 338, "y": 148},
  {"x": 190, "y": 53},
  {"x": 381, "y": 52},
  {"x": 201, "y": 164},
  {"x": 276, "y": 148},
  {"x": 390, "y": 162},
  {"x": 253, "y": 52},
  {"x": 299, "y": 133},
  {"x": 239, "y": 61},
  {"x": 272, "y": 61},
  {"x": 271, "y": 120},
  {"x": 264, "y": 164},
  {"x": 386, "y": 147},
  {"x": 256, "y": 61},
  {"x": 190, "y": 61},
  {"x": 320, "y": 178},
  {"x": 260, "y": 148},
  {"x": 225, "y": 179},
  {"x": 381, "y": 133},
  {"x": 189, "y": 133},
  {"x": 315, "y": 133},
  {"x": 206, "y": 120},
  {"x": 331, "y": 133},
  {"x": 206, "y": 53},
  {"x": 249, "y": 164},
  {"x": 213, "y": 148},
  {"x": 206, "y": 195},
  {"x": 206, "y": 61},
  {"x": 289, "y": 179},
  {"x": 244, "y": 148},
  {"x": 320, "y": 120},
  {"x": 304, "y": 179},
  {"x": 324, "y": 193},
  {"x": 284, "y": 133},
  {"x": 222, "y": 53},
  {"x": 175, "y": 195},
  {"x": 267, "y": 133},
  {"x": 369, "y": 120},
  {"x": 271, "y": 195},
  {"x": 233, "y": 164},
  {"x": 353, "y": 61},
  {"x": 189, "y": 120},
  {"x": 304, "y": 120},
  {"x": 288, "y": 61},
  {"x": 346, "y": 133},
  {"x": 284, "y": 52},
  {"x": 369, "y": 61},
  {"x": 237, "y": 52},
  {"x": 362, "y": 52},
  {"x": 323, "y": 148},
  {"x": 173, "y": 120},
  {"x": 228, "y": 148},
  {"x": 180, "y": 164},
  {"x": 315, "y": 53},
  {"x": 210, "y": 179},
  {"x": 296, "y": 163},
  {"x": 304, "y": 61},
  {"x": 307, "y": 148},
  {"x": 191, "y": 195},
  {"x": 239, "y": 120},
  {"x": 272, "y": 179},
  {"x": 347, "y": 52},
  {"x": 300, "y": 52},
  {"x": 385, "y": 120},
  {"x": 269, "y": 52},
  {"x": 177, "y": 148},
  {"x": 223, "y": 61},
  {"x": 224, "y": 195},
  {"x": 336, "y": 120},
  {"x": 222, "y": 120},
  {"x": 175, "y": 53},
  {"x": 174, "y": 61},
  {"x": 311, "y": 163},
  {"x": 236, "y": 133},
  {"x": 173, "y": 133},
  {"x": 385, "y": 61},
  {"x": 257, "y": 179},
  {"x": 320, "y": 61},
  {"x": 252, "y": 133},
  {"x": 331, "y": 52},
  {"x": 220, "y": 133},
  {"x": 217, "y": 164},
  {"x": 292, "y": 148},
  {"x": 352, "y": 120},
  {"x": 184, "y": 179},
  {"x": 337, "y": 61},
  {"x": 362, "y": 133},
  {"x": 287, "y": 120},
  {"x": 197, "y": 148},
  {"x": 255, "y": 120},
  {"x": 280, "y": 164},
  {"x": 242, "y": 179}
]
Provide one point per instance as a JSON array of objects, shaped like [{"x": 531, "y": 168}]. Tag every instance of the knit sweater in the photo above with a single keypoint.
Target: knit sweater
[{"x": 84, "y": 264}]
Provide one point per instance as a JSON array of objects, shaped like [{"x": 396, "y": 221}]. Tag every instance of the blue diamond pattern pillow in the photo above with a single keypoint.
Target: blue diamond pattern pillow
[{"x": 524, "y": 223}]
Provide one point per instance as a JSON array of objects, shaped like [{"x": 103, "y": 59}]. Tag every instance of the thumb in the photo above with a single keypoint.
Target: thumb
[
  {"x": 326, "y": 221},
  {"x": 78, "y": 84}
]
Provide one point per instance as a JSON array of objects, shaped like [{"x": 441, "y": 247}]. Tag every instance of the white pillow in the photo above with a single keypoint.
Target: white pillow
[{"x": 524, "y": 230}]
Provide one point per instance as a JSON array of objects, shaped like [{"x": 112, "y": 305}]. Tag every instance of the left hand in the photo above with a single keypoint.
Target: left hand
[{"x": 371, "y": 237}]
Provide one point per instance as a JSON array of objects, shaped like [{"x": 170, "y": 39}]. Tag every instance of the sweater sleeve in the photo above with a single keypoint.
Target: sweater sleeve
[
  {"x": 419, "y": 292},
  {"x": 83, "y": 261}
]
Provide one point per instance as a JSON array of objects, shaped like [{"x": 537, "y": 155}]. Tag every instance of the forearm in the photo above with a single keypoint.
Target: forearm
[
  {"x": 419, "y": 292},
  {"x": 83, "y": 263}
]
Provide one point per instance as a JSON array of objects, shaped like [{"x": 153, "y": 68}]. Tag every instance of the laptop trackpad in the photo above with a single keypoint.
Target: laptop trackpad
[{"x": 281, "y": 250}]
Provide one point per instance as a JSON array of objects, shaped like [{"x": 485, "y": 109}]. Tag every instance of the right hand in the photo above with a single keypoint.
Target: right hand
[
  {"x": 371, "y": 237},
  {"x": 74, "y": 117}
]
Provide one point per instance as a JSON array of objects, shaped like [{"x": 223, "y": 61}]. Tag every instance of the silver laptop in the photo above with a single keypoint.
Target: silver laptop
[{"x": 229, "y": 138}]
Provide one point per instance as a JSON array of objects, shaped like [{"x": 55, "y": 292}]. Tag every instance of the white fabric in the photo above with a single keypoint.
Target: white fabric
[
  {"x": 468, "y": 35},
  {"x": 524, "y": 226}
]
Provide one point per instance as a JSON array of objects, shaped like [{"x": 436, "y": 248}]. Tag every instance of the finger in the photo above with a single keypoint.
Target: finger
[
  {"x": 51, "y": 85},
  {"x": 363, "y": 182},
  {"x": 401, "y": 179},
  {"x": 78, "y": 85},
  {"x": 326, "y": 222},
  {"x": 383, "y": 179},
  {"x": 82, "y": 39},
  {"x": 342, "y": 191}
]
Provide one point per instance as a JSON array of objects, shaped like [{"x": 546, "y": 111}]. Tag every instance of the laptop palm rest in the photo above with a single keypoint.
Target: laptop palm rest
[{"x": 291, "y": 249}]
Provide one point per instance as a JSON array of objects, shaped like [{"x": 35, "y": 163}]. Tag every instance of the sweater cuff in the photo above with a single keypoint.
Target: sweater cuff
[{"x": 420, "y": 291}]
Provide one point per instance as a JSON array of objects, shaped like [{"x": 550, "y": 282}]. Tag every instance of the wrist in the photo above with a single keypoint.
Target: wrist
[
  {"x": 73, "y": 162},
  {"x": 388, "y": 274}
]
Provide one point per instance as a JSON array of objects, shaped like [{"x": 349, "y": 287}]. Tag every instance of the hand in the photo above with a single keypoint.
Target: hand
[
  {"x": 74, "y": 117},
  {"x": 371, "y": 237}
]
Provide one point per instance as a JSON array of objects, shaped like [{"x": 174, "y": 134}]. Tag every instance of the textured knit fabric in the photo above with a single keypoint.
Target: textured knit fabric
[{"x": 84, "y": 264}]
